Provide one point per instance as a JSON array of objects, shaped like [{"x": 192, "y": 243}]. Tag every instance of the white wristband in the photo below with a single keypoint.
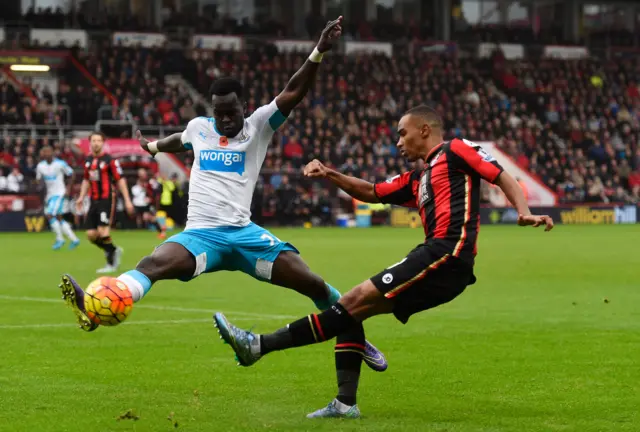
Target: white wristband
[
  {"x": 153, "y": 147},
  {"x": 316, "y": 56}
]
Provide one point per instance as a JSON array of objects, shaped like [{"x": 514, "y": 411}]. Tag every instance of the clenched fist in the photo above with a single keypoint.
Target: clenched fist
[
  {"x": 536, "y": 221},
  {"x": 315, "y": 168}
]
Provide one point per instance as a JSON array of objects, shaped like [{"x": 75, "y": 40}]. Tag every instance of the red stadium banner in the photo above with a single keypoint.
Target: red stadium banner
[
  {"x": 116, "y": 147},
  {"x": 17, "y": 203}
]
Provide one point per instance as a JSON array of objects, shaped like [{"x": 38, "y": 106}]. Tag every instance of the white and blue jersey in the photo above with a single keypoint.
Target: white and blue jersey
[
  {"x": 225, "y": 170},
  {"x": 219, "y": 231},
  {"x": 53, "y": 175}
]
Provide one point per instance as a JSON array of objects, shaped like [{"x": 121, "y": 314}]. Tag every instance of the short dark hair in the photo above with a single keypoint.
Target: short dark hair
[
  {"x": 100, "y": 134},
  {"x": 225, "y": 86},
  {"x": 429, "y": 115}
]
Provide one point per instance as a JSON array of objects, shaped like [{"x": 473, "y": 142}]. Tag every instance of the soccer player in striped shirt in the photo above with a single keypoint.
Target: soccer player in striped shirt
[
  {"x": 446, "y": 192},
  {"x": 101, "y": 171}
]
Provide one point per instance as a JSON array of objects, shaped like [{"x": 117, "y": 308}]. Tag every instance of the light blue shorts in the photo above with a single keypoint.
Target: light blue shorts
[
  {"x": 54, "y": 205},
  {"x": 250, "y": 249}
]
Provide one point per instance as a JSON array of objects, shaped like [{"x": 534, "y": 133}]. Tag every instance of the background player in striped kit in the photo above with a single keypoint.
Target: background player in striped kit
[{"x": 101, "y": 171}]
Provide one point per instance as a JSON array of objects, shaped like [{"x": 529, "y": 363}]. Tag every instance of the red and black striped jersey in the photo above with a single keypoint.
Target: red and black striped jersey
[
  {"x": 446, "y": 192},
  {"x": 101, "y": 171}
]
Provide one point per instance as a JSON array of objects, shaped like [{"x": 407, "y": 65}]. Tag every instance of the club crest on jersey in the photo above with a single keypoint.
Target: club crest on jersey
[
  {"x": 243, "y": 137},
  {"x": 435, "y": 159},
  {"x": 222, "y": 161}
]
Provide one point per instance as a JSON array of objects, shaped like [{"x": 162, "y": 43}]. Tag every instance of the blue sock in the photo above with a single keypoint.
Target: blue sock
[
  {"x": 334, "y": 296},
  {"x": 137, "y": 282}
]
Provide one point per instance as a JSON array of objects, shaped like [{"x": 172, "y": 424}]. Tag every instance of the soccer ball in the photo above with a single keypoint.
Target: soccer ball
[{"x": 108, "y": 301}]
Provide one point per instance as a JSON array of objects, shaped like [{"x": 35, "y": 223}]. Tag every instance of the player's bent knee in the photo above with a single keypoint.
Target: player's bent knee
[
  {"x": 92, "y": 236},
  {"x": 169, "y": 261},
  {"x": 155, "y": 267},
  {"x": 291, "y": 271},
  {"x": 365, "y": 300},
  {"x": 149, "y": 266}
]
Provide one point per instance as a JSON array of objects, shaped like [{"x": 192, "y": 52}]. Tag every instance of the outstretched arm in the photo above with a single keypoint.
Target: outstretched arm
[
  {"x": 474, "y": 159},
  {"x": 303, "y": 79},
  {"x": 359, "y": 189},
  {"x": 513, "y": 192},
  {"x": 170, "y": 144}
]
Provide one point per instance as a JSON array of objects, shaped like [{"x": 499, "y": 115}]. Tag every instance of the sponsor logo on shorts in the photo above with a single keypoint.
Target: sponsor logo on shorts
[{"x": 387, "y": 278}]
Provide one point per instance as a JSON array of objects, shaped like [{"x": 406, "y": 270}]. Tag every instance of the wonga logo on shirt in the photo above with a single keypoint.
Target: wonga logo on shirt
[{"x": 223, "y": 161}]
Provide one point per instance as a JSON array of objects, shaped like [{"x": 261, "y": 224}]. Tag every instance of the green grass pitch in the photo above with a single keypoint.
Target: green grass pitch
[{"x": 547, "y": 340}]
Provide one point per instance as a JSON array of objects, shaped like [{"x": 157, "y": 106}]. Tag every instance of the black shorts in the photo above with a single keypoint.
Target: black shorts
[
  {"x": 100, "y": 214},
  {"x": 144, "y": 209},
  {"x": 423, "y": 280}
]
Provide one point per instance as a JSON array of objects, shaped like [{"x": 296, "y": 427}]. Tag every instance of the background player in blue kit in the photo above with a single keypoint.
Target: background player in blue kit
[
  {"x": 229, "y": 151},
  {"x": 53, "y": 172}
]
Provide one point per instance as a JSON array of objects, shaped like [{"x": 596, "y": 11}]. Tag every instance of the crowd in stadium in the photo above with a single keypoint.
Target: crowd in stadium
[{"x": 575, "y": 124}]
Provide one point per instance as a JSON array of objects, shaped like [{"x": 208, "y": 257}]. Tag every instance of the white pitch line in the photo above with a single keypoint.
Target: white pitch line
[
  {"x": 160, "y": 322},
  {"x": 156, "y": 307}
]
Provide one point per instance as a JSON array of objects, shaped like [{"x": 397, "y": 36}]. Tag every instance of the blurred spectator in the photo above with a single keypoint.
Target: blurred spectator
[
  {"x": 573, "y": 124},
  {"x": 15, "y": 181}
]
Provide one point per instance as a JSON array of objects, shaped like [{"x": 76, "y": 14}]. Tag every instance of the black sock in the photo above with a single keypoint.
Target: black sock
[
  {"x": 275, "y": 341},
  {"x": 157, "y": 226},
  {"x": 309, "y": 330},
  {"x": 348, "y": 353},
  {"x": 109, "y": 248}
]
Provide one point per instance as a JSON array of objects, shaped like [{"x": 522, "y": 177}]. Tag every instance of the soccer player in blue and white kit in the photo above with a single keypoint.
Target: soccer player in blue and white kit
[
  {"x": 54, "y": 171},
  {"x": 229, "y": 151}
]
